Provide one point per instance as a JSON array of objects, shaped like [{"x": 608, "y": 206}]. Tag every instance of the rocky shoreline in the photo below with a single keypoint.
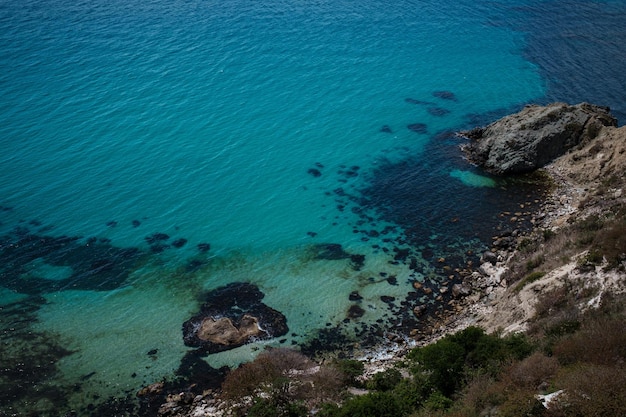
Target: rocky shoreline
[
  {"x": 576, "y": 174},
  {"x": 577, "y": 148}
]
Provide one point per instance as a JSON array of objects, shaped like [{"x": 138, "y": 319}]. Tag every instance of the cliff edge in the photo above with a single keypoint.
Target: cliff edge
[{"x": 535, "y": 136}]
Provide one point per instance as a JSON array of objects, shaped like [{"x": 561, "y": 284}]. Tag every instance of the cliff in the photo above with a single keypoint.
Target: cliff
[
  {"x": 535, "y": 136},
  {"x": 584, "y": 218}
]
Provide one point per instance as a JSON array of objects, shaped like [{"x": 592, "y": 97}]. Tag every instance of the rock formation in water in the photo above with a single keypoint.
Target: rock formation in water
[
  {"x": 232, "y": 316},
  {"x": 535, "y": 136}
]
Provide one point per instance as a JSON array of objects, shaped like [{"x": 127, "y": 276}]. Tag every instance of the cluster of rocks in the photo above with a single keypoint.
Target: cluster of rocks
[{"x": 184, "y": 403}]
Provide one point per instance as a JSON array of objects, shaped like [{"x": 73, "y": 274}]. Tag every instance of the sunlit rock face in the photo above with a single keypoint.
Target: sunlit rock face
[
  {"x": 535, "y": 136},
  {"x": 232, "y": 316}
]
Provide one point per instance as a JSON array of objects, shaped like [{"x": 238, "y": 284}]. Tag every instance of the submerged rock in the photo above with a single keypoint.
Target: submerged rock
[
  {"x": 535, "y": 136},
  {"x": 330, "y": 251},
  {"x": 438, "y": 111},
  {"x": 418, "y": 127},
  {"x": 232, "y": 316},
  {"x": 445, "y": 95}
]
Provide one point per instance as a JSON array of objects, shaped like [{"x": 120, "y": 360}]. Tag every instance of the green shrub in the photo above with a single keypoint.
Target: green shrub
[
  {"x": 534, "y": 262},
  {"x": 351, "y": 369},
  {"x": 438, "y": 401},
  {"x": 593, "y": 257},
  {"x": 443, "y": 362},
  {"x": 521, "y": 403},
  {"x": 385, "y": 380},
  {"x": 412, "y": 392},
  {"x": 447, "y": 362},
  {"x": 601, "y": 341},
  {"x": 592, "y": 223},
  {"x": 267, "y": 408},
  {"x": 529, "y": 279},
  {"x": 378, "y": 404},
  {"x": 518, "y": 346},
  {"x": 328, "y": 410}
]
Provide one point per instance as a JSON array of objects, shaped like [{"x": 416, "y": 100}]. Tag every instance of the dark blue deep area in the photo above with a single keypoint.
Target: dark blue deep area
[{"x": 580, "y": 48}]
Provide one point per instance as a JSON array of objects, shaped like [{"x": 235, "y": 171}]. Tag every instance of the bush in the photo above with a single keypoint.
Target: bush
[
  {"x": 521, "y": 403},
  {"x": 447, "y": 361},
  {"x": 518, "y": 346},
  {"x": 378, "y": 404},
  {"x": 443, "y": 361},
  {"x": 591, "y": 390},
  {"x": 351, "y": 370},
  {"x": 267, "y": 408},
  {"x": 529, "y": 279},
  {"x": 534, "y": 262},
  {"x": 412, "y": 392},
  {"x": 283, "y": 378},
  {"x": 533, "y": 371},
  {"x": 385, "y": 380},
  {"x": 438, "y": 401},
  {"x": 601, "y": 341}
]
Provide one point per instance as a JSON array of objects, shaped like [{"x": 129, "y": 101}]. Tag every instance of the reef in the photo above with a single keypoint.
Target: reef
[{"x": 94, "y": 264}]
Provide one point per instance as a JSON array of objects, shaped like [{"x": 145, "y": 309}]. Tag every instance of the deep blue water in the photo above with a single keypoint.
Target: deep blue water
[{"x": 155, "y": 151}]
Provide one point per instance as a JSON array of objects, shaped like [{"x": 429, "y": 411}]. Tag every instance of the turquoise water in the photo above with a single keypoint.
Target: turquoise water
[{"x": 260, "y": 129}]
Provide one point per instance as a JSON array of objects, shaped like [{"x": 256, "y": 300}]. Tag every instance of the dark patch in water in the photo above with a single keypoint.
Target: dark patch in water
[
  {"x": 445, "y": 95},
  {"x": 330, "y": 252},
  {"x": 357, "y": 261},
  {"x": 29, "y": 359},
  {"x": 387, "y": 299},
  {"x": 438, "y": 111},
  {"x": 194, "y": 264},
  {"x": 579, "y": 50},
  {"x": 418, "y": 128},
  {"x": 179, "y": 243},
  {"x": 386, "y": 129},
  {"x": 421, "y": 102},
  {"x": 94, "y": 265},
  {"x": 198, "y": 374},
  {"x": 136, "y": 223},
  {"x": 314, "y": 172},
  {"x": 204, "y": 247},
  {"x": 355, "y": 311},
  {"x": 328, "y": 340},
  {"x": 156, "y": 238},
  {"x": 355, "y": 296}
]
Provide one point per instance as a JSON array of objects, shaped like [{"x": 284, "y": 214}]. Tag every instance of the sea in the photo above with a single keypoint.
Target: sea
[{"x": 153, "y": 152}]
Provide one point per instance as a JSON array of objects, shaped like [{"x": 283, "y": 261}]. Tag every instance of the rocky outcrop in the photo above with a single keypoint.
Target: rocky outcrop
[
  {"x": 535, "y": 136},
  {"x": 232, "y": 316}
]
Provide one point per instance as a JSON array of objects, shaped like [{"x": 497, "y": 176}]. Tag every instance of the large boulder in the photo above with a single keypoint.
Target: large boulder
[
  {"x": 533, "y": 137},
  {"x": 232, "y": 316}
]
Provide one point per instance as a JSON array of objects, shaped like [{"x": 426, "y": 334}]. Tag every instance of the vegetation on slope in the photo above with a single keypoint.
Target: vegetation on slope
[{"x": 468, "y": 374}]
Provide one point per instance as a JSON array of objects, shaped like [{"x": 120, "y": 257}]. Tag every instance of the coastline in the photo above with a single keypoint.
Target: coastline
[{"x": 494, "y": 302}]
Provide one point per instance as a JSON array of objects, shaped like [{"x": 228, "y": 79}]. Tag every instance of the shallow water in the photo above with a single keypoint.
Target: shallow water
[{"x": 246, "y": 135}]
